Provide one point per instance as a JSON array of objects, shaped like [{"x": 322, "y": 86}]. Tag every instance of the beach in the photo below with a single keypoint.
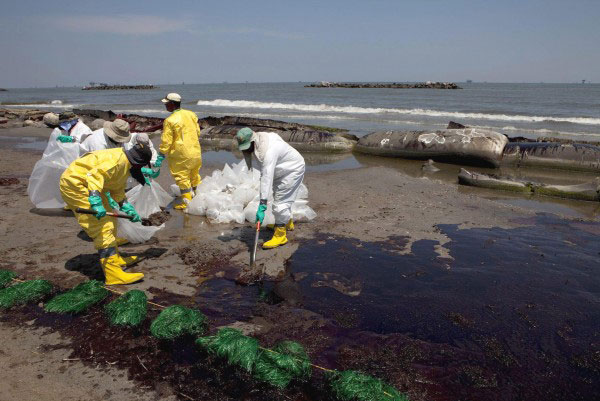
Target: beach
[{"x": 443, "y": 291}]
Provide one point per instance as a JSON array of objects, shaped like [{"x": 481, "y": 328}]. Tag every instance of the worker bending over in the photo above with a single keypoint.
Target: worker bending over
[
  {"x": 181, "y": 146},
  {"x": 97, "y": 181},
  {"x": 281, "y": 172},
  {"x": 67, "y": 127},
  {"x": 116, "y": 134}
]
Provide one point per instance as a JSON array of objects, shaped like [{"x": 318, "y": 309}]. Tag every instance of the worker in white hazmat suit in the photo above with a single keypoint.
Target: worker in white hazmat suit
[
  {"x": 114, "y": 135},
  {"x": 62, "y": 149},
  {"x": 67, "y": 127},
  {"x": 281, "y": 173}
]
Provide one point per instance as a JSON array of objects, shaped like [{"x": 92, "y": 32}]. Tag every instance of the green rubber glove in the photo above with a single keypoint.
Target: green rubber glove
[
  {"x": 260, "y": 213},
  {"x": 97, "y": 206},
  {"x": 150, "y": 173},
  {"x": 111, "y": 202},
  {"x": 65, "y": 139},
  {"x": 130, "y": 211},
  {"x": 159, "y": 160}
]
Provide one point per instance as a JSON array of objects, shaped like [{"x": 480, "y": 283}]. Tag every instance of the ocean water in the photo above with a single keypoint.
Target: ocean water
[{"x": 530, "y": 110}]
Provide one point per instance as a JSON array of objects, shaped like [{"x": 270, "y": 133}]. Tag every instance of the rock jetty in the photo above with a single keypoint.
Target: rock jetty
[
  {"x": 394, "y": 85},
  {"x": 116, "y": 87}
]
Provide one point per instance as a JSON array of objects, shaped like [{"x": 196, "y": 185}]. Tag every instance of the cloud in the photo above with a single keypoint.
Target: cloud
[{"x": 121, "y": 24}]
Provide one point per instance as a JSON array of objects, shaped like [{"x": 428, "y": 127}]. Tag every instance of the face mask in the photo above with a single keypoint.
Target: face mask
[{"x": 67, "y": 125}]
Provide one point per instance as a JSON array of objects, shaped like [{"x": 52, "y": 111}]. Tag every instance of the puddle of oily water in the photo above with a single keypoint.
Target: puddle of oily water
[{"x": 525, "y": 297}]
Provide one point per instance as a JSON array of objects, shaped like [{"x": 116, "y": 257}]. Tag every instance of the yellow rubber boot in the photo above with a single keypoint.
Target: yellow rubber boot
[
  {"x": 289, "y": 226},
  {"x": 279, "y": 238},
  {"x": 127, "y": 260},
  {"x": 185, "y": 199},
  {"x": 113, "y": 273},
  {"x": 122, "y": 241}
]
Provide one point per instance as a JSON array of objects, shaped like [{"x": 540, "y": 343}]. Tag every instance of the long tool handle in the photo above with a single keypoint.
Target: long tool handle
[
  {"x": 253, "y": 253},
  {"x": 113, "y": 214}
]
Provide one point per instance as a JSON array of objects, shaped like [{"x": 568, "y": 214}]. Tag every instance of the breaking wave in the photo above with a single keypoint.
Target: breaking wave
[
  {"x": 58, "y": 104},
  {"x": 379, "y": 110}
]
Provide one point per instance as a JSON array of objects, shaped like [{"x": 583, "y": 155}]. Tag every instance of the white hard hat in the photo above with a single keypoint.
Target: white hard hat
[{"x": 172, "y": 97}]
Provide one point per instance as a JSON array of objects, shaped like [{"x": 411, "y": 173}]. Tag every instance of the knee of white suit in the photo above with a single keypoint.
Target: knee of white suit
[{"x": 282, "y": 212}]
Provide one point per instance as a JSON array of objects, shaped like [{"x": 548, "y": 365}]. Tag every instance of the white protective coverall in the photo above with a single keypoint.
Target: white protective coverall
[
  {"x": 79, "y": 131},
  {"x": 99, "y": 141},
  {"x": 281, "y": 171}
]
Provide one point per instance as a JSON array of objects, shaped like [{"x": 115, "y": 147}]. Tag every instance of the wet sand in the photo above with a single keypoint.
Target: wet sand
[{"x": 433, "y": 287}]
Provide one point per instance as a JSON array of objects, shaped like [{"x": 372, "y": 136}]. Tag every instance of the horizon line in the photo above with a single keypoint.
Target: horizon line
[{"x": 304, "y": 82}]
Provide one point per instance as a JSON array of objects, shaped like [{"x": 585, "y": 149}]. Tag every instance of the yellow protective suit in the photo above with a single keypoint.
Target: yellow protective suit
[
  {"x": 181, "y": 146},
  {"x": 103, "y": 171}
]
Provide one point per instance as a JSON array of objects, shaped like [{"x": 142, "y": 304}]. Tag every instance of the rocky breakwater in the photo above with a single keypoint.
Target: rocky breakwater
[
  {"x": 461, "y": 146},
  {"x": 394, "y": 85},
  {"x": 219, "y": 132},
  {"x": 116, "y": 87}
]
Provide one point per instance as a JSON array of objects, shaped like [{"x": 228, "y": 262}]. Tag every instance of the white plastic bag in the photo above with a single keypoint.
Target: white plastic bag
[
  {"x": 148, "y": 199},
  {"x": 43, "y": 188},
  {"x": 136, "y": 233},
  {"x": 164, "y": 198},
  {"x": 53, "y": 144},
  {"x": 175, "y": 191}
]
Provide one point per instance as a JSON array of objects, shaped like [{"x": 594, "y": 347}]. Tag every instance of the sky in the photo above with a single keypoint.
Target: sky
[{"x": 69, "y": 43}]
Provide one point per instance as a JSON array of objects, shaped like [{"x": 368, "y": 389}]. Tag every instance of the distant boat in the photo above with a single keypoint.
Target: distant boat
[{"x": 469, "y": 81}]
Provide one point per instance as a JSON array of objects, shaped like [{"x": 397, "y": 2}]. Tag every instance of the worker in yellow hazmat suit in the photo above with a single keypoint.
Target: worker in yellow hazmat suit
[
  {"x": 180, "y": 145},
  {"x": 97, "y": 181}
]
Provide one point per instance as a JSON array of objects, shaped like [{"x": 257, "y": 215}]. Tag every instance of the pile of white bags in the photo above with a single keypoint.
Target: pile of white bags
[
  {"x": 146, "y": 199},
  {"x": 43, "y": 189},
  {"x": 232, "y": 194}
]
